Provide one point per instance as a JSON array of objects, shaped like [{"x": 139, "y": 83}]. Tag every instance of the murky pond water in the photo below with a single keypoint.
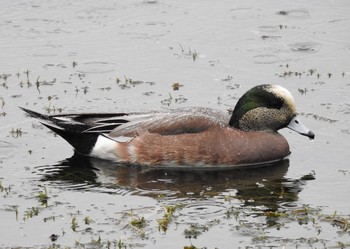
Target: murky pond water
[{"x": 104, "y": 56}]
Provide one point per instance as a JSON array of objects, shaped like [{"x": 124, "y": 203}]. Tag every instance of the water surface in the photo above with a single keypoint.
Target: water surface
[{"x": 108, "y": 56}]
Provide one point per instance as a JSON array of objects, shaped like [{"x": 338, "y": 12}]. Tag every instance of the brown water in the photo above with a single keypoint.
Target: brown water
[{"x": 104, "y": 56}]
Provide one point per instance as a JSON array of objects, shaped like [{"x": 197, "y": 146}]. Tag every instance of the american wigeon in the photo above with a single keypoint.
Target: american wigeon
[{"x": 188, "y": 136}]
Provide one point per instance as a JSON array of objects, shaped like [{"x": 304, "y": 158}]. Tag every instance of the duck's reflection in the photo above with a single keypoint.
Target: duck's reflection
[{"x": 253, "y": 185}]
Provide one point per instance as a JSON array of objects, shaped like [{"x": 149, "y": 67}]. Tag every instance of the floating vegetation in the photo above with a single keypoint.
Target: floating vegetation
[
  {"x": 4, "y": 76},
  {"x": 265, "y": 37},
  {"x": 189, "y": 54},
  {"x": 53, "y": 218},
  {"x": 168, "y": 217},
  {"x": 233, "y": 86},
  {"x": 228, "y": 78},
  {"x": 194, "y": 231},
  {"x": 7, "y": 190},
  {"x": 257, "y": 221},
  {"x": 2, "y": 102},
  {"x": 16, "y": 132},
  {"x": 121, "y": 244},
  {"x": 168, "y": 101},
  {"x": 44, "y": 83},
  {"x": 139, "y": 223},
  {"x": 127, "y": 82},
  {"x": 54, "y": 237},
  {"x": 296, "y": 13},
  {"x": 34, "y": 211},
  {"x": 176, "y": 86},
  {"x": 306, "y": 215},
  {"x": 303, "y": 91},
  {"x": 192, "y": 247},
  {"x": 318, "y": 117},
  {"x": 74, "y": 224},
  {"x": 43, "y": 197},
  {"x": 305, "y": 73},
  {"x": 52, "y": 109},
  {"x": 87, "y": 220}
]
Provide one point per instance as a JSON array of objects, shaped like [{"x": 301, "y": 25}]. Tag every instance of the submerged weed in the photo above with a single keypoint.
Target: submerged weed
[
  {"x": 194, "y": 231},
  {"x": 2, "y": 102},
  {"x": 176, "y": 86},
  {"x": 128, "y": 82},
  {"x": 74, "y": 224},
  {"x": 54, "y": 237},
  {"x": 4, "y": 76},
  {"x": 16, "y": 132},
  {"x": 121, "y": 244},
  {"x": 190, "y": 54},
  {"x": 307, "y": 73},
  {"x": 53, "y": 218},
  {"x": 96, "y": 242},
  {"x": 52, "y": 109},
  {"x": 26, "y": 73},
  {"x": 43, "y": 197},
  {"x": 87, "y": 220},
  {"x": 163, "y": 224},
  {"x": 138, "y": 222},
  {"x": 191, "y": 247},
  {"x": 303, "y": 91},
  {"x": 34, "y": 211},
  {"x": 4, "y": 189},
  {"x": 339, "y": 222},
  {"x": 15, "y": 207}
]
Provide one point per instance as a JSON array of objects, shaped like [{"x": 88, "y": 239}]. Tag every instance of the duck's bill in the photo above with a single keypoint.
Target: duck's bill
[{"x": 297, "y": 126}]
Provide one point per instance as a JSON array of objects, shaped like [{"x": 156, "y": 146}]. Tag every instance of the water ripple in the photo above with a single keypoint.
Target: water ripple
[
  {"x": 305, "y": 47},
  {"x": 202, "y": 210},
  {"x": 96, "y": 67},
  {"x": 267, "y": 59},
  {"x": 296, "y": 13},
  {"x": 7, "y": 150}
]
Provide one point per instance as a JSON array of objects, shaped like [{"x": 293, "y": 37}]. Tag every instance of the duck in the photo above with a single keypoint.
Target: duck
[{"x": 190, "y": 136}]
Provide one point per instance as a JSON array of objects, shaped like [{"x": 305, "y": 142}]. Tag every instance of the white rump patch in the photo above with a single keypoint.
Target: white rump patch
[{"x": 104, "y": 148}]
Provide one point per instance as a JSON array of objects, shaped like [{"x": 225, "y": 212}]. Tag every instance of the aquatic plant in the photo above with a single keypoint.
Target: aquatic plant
[
  {"x": 16, "y": 132},
  {"x": 2, "y": 101},
  {"x": 34, "y": 211},
  {"x": 168, "y": 216},
  {"x": 190, "y": 54},
  {"x": 138, "y": 222},
  {"x": 74, "y": 224},
  {"x": 195, "y": 230},
  {"x": 43, "y": 197},
  {"x": 176, "y": 86},
  {"x": 87, "y": 220}
]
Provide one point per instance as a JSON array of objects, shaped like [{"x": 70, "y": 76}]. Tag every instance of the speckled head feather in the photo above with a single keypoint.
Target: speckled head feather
[{"x": 264, "y": 107}]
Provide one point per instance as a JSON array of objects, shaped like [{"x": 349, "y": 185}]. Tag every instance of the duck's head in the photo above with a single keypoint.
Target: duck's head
[{"x": 267, "y": 107}]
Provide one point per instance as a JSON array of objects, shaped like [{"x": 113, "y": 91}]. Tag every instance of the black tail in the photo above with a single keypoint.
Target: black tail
[{"x": 72, "y": 132}]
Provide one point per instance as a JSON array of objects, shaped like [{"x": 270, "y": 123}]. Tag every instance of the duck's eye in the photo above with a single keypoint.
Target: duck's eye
[{"x": 296, "y": 121}]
